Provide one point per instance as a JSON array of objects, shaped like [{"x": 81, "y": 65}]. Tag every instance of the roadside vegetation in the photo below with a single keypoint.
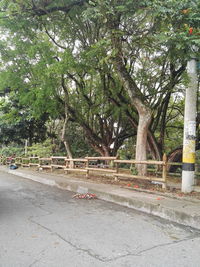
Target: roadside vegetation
[{"x": 107, "y": 78}]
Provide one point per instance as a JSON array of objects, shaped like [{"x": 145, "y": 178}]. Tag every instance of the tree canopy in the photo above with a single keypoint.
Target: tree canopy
[{"x": 115, "y": 68}]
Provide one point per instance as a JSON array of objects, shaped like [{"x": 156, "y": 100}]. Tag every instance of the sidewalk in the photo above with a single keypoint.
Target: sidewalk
[{"x": 182, "y": 210}]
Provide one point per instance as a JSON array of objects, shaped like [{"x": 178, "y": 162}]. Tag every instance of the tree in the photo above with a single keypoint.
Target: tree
[
  {"x": 17, "y": 123},
  {"x": 130, "y": 32},
  {"x": 55, "y": 82}
]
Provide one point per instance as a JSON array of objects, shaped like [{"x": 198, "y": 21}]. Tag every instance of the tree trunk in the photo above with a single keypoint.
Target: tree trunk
[
  {"x": 66, "y": 142},
  {"x": 151, "y": 141},
  {"x": 137, "y": 98},
  {"x": 106, "y": 151},
  {"x": 155, "y": 151},
  {"x": 68, "y": 149},
  {"x": 141, "y": 143}
]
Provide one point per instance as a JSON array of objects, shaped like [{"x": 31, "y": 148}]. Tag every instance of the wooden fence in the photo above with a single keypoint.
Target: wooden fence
[{"x": 109, "y": 166}]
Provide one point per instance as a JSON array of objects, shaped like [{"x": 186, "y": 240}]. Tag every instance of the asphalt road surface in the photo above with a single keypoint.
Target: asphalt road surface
[{"x": 44, "y": 226}]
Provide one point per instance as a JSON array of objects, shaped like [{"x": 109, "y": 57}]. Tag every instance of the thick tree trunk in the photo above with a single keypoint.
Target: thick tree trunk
[
  {"x": 141, "y": 143},
  {"x": 102, "y": 150},
  {"x": 151, "y": 141},
  {"x": 106, "y": 151},
  {"x": 137, "y": 98}
]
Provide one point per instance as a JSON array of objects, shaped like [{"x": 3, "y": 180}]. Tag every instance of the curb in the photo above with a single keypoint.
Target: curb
[{"x": 175, "y": 210}]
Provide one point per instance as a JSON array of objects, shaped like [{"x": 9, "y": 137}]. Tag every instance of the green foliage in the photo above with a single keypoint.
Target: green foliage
[
  {"x": 134, "y": 170},
  {"x": 11, "y": 150},
  {"x": 17, "y": 123},
  {"x": 57, "y": 60},
  {"x": 127, "y": 151},
  {"x": 44, "y": 149},
  {"x": 79, "y": 143}
]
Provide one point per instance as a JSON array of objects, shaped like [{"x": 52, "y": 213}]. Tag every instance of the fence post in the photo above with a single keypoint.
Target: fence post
[
  {"x": 87, "y": 166},
  {"x": 164, "y": 173},
  {"x": 117, "y": 170},
  {"x": 51, "y": 162},
  {"x": 71, "y": 164}
]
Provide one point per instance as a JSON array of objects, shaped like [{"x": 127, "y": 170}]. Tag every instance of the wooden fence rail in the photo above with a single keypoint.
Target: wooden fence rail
[
  {"x": 45, "y": 163},
  {"x": 34, "y": 161},
  {"x": 101, "y": 164},
  {"x": 109, "y": 166},
  {"x": 162, "y": 179},
  {"x": 76, "y": 165},
  {"x": 58, "y": 162}
]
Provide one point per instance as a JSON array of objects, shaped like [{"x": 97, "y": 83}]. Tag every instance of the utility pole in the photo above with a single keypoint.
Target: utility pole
[{"x": 189, "y": 141}]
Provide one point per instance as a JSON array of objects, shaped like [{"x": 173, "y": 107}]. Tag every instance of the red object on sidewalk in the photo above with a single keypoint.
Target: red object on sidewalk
[{"x": 85, "y": 196}]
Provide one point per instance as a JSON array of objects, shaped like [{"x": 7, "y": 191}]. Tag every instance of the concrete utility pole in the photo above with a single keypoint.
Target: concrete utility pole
[{"x": 189, "y": 141}]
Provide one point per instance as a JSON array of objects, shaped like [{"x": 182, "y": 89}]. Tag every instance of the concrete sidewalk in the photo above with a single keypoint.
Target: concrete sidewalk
[{"x": 185, "y": 211}]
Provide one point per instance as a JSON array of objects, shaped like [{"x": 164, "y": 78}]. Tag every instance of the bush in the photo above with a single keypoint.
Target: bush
[
  {"x": 41, "y": 149},
  {"x": 10, "y": 150}
]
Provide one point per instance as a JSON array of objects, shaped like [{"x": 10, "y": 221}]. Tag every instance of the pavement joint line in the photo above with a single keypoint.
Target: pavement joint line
[{"x": 175, "y": 210}]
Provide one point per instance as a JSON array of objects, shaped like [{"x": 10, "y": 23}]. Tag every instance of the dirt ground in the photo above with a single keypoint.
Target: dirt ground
[{"x": 135, "y": 184}]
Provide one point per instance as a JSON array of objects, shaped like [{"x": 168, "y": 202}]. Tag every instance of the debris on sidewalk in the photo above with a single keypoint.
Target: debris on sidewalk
[
  {"x": 85, "y": 196},
  {"x": 13, "y": 167}
]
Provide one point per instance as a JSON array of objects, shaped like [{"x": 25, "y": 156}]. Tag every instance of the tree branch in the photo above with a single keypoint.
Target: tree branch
[
  {"x": 45, "y": 10},
  {"x": 53, "y": 39}
]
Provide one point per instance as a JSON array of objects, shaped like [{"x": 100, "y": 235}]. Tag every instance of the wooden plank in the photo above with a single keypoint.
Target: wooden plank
[
  {"x": 77, "y": 170},
  {"x": 140, "y": 162},
  {"x": 100, "y": 170},
  {"x": 58, "y": 166},
  {"x": 101, "y": 158},
  {"x": 43, "y": 159},
  {"x": 174, "y": 163},
  {"x": 58, "y": 158},
  {"x": 34, "y": 164},
  {"x": 33, "y": 157},
  {"x": 81, "y": 160},
  {"x": 45, "y": 166},
  {"x": 139, "y": 177}
]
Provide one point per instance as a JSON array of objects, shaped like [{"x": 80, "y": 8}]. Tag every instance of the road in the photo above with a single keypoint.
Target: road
[{"x": 44, "y": 226}]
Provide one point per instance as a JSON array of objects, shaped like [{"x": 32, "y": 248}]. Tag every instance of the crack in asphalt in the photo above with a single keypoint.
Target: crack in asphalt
[
  {"x": 92, "y": 253},
  {"x": 103, "y": 259},
  {"x": 88, "y": 251},
  {"x": 169, "y": 244},
  {"x": 139, "y": 253},
  {"x": 37, "y": 260}
]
